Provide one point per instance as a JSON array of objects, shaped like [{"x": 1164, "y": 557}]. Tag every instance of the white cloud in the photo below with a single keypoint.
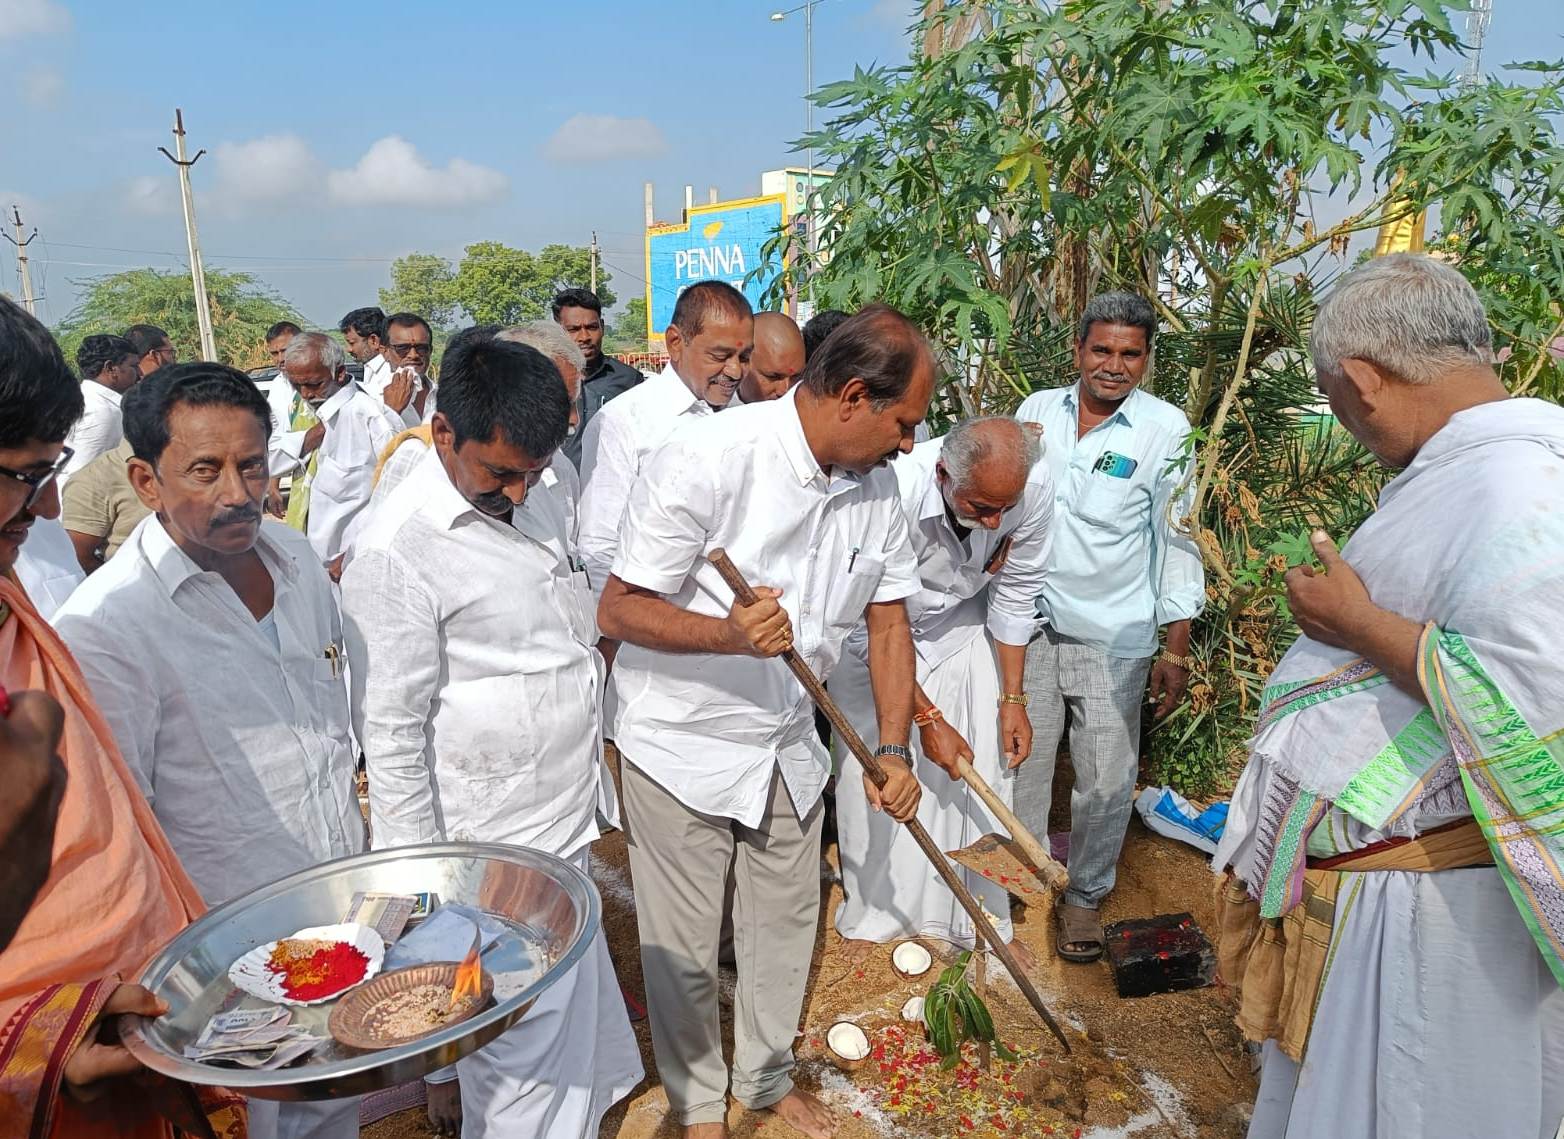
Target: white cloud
[
  {"x": 22, "y": 18},
  {"x": 151, "y": 197},
  {"x": 605, "y": 138},
  {"x": 274, "y": 168},
  {"x": 393, "y": 173},
  {"x": 42, "y": 87}
]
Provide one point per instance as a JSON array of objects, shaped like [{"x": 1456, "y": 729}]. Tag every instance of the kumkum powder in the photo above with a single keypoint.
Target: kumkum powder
[{"x": 312, "y": 969}]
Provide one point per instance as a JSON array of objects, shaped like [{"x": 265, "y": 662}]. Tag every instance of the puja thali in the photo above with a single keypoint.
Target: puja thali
[{"x": 540, "y": 912}]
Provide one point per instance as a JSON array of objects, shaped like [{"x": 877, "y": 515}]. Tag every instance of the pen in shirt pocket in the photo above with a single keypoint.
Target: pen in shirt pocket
[
  {"x": 852, "y": 559},
  {"x": 333, "y": 655}
]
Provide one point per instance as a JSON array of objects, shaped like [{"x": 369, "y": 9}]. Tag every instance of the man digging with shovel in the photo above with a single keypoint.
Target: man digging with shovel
[{"x": 979, "y": 507}]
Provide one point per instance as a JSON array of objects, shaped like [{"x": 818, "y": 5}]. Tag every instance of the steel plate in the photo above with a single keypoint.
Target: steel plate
[{"x": 549, "y": 907}]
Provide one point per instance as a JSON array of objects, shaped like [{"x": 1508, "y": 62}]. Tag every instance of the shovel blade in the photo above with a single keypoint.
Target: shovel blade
[{"x": 1000, "y": 861}]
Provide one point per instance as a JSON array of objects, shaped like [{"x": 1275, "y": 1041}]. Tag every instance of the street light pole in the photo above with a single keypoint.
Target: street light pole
[
  {"x": 808, "y": 9},
  {"x": 809, "y": 128}
]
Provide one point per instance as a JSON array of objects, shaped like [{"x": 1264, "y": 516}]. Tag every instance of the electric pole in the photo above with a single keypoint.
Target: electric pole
[
  {"x": 594, "y": 260},
  {"x": 197, "y": 273},
  {"x": 21, "y": 260}
]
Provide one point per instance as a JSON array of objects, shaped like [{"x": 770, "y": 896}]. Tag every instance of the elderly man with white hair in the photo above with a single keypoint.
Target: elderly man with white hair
[
  {"x": 979, "y": 507},
  {"x": 335, "y": 434},
  {"x": 1394, "y": 913}
]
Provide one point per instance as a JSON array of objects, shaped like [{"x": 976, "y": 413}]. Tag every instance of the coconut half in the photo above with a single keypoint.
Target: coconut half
[
  {"x": 911, "y": 959},
  {"x": 913, "y": 1009},
  {"x": 848, "y": 1043}
]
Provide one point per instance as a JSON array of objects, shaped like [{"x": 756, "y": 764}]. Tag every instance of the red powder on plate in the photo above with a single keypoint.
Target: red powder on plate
[{"x": 322, "y": 973}]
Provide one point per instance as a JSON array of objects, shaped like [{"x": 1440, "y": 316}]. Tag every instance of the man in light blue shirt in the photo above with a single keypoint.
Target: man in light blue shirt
[{"x": 1121, "y": 569}]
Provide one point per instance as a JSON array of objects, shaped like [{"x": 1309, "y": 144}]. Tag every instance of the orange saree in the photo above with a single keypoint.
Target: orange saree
[{"x": 114, "y": 896}]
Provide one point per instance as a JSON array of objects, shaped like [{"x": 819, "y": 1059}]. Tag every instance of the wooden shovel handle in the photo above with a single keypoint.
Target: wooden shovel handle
[
  {"x": 1049, "y": 871},
  {"x": 849, "y": 735}
]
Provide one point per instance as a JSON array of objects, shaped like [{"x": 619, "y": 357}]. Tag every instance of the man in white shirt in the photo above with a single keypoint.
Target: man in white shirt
[
  {"x": 110, "y": 367},
  {"x": 212, "y": 645},
  {"x": 560, "y": 479},
  {"x": 281, "y": 396},
  {"x": 721, "y": 764},
  {"x": 979, "y": 505},
  {"x": 337, "y": 453},
  {"x": 476, "y": 691},
  {"x": 777, "y": 362},
  {"x": 709, "y": 344},
  {"x": 409, "y": 348},
  {"x": 1122, "y": 565},
  {"x": 364, "y": 332}
]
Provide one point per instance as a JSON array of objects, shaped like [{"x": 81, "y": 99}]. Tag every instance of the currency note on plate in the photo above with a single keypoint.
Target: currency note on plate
[{"x": 386, "y": 914}]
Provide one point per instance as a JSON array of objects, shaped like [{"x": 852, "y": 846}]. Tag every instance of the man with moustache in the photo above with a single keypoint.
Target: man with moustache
[
  {"x": 114, "y": 893},
  {"x": 476, "y": 696},
  {"x": 979, "y": 505},
  {"x": 777, "y": 362},
  {"x": 721, "y": 764},
  {"x": 709, "y": 344},
  {"x": 337, "y": 452},
  {"x": 1121, "y": 568},
  {"x": 212, "y": 644}
]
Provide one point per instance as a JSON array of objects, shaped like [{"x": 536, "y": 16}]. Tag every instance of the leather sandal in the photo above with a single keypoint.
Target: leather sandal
[{"x": 1078, "y": 934}]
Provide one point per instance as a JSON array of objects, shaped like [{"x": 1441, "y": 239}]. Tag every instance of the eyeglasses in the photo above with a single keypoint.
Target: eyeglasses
[
  {"x": 423, "y": 348},
  {"x": 37, "y": 482}
]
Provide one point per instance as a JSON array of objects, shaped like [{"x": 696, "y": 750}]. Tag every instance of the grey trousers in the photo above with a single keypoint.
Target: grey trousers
[
  {"x": 679, "y": 861},
  {"x": 1102, "y": 695}
]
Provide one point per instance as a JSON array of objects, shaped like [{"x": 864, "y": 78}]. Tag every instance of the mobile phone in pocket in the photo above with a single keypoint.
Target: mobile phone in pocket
[{"x": 1115, "y": 465}]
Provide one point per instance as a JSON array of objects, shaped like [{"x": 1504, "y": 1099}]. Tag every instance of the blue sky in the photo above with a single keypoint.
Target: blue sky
[{"x": 341, "y": 134}]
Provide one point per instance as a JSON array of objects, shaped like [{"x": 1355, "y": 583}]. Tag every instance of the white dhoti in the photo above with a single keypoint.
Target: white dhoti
[
  {"x": 328, "y": 1119},
  {"x": 555, "y": 1074},
  {"x": 891, "y": 889},
  {"x": 1437, "y": 1020}
]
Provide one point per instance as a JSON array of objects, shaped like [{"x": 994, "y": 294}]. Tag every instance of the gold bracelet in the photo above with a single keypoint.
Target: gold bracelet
[
  {"x": 1013, "y": 698},
  {"x": 1185, "y": 663}
]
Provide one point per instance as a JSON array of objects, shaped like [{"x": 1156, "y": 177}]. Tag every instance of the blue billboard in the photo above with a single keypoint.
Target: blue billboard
[{"x": 720, "y": 242}]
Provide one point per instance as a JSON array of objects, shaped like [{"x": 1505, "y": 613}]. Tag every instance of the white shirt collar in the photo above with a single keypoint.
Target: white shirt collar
[
  {"x": 795, "y": 446},
  {"x": 92, "y": 389},
  {"x": 327, "y": 411},
  {"x": 173, "y": 567},
  {"x": 444, "y": 504},
  {"x": 1128, "y": 404},
  {"x": 678, "y": 392}
]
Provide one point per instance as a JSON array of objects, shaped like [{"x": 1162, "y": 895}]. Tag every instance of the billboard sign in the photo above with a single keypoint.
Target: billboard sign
[{"x": 721, "y": 242}]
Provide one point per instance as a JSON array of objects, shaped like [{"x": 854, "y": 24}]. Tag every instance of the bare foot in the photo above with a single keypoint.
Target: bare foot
[
  {"x": 444, "y": 1105},
  {"x": 859, "y": 951},
  {"x": 706, "y": 1131},
  {"x": 1023, "y": 954},
  {"x": 803, "y": 1112}
]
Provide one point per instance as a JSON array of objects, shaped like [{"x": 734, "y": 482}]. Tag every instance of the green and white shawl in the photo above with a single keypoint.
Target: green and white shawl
[{"x": 1468, "y": 540}]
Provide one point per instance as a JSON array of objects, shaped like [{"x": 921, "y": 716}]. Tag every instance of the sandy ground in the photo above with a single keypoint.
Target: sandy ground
[{"x": 1156, "y": 1067}]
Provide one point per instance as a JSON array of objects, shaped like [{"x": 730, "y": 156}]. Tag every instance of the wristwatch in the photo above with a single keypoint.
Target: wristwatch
[
  {"x": 1013, "y": 698},
  {"x": 1185, "y": 663},
  {"x": 900, "y": 752}
]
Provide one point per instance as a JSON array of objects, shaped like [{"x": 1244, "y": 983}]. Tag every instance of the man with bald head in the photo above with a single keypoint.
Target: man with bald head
[
  {"x": 778, "y": 360},
  {"x": 979, "y": 507}
]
